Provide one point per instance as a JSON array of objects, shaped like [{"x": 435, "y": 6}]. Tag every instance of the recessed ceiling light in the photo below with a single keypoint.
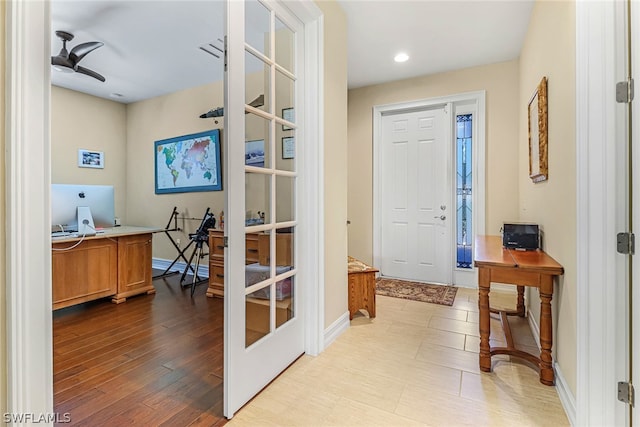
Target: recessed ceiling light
[{"x": 401, "y": 57}]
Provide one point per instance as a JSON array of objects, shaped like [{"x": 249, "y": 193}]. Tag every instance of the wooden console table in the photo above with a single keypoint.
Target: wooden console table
[
  {"x": 362, "y": 287},
  {"x": 116, "y": 264},
  {"x": 520, "y": 268}
]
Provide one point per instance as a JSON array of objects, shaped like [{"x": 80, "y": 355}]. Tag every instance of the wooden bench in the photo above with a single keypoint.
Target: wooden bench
[{"x": 362, "y": 287}]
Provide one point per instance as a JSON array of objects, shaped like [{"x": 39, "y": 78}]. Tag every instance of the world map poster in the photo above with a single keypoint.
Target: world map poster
[{"x": 188, "y": 163}]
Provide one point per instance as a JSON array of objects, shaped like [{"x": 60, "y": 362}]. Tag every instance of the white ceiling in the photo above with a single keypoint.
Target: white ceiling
[
  {"x": 437, "y": 35},
  {"x": 152, "y": 47}
]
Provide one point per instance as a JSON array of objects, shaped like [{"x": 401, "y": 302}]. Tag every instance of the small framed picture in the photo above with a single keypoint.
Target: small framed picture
[
  {"x": 254, "y": 153},
  {"x": 90, "y": 159},
  {"x": 288, "y": 147},
  {"x": 287, "y": 114}
]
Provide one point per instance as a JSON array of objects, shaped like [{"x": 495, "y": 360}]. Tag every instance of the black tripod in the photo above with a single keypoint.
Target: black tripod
[
  {"x": 200, "y": 237},
  {"x": 173, "y": 218}
]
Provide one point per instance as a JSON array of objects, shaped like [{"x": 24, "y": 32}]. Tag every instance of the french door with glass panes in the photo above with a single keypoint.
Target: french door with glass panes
[{"x": 264, "y": 329}]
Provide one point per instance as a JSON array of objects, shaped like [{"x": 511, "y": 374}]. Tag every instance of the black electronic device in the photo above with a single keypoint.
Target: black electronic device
[{"x": 524, "y": 236}]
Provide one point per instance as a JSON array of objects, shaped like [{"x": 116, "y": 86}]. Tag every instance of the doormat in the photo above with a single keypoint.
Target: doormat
[{"x": 425, "y": 292}]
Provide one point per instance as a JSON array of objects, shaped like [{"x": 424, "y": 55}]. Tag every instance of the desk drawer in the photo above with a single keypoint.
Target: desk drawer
[
  {"x": 216, "y": 274},
  {"x": 251, "y": 248},
  {"x": 216, "y": 244}
]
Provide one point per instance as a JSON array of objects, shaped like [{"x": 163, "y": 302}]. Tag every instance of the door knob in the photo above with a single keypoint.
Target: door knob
[{"x": 442, "y": 217}]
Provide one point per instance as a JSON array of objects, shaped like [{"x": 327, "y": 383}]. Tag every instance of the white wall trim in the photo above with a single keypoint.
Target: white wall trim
[
  {"x": 162, "y": 264},
  {"x": 314, "y": 134},
  {"x": 535, "y": 329},
  {"x": 469, "y": 101},
  {"x": 567, "y": 399},
  {"x": 337, "y": 328},
  {"x": 29, "y": 306},
  {"x": 600, "y": 320}
]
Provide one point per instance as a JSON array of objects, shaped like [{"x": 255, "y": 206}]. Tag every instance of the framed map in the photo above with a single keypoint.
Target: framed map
[{"x": 188, "y": 163}]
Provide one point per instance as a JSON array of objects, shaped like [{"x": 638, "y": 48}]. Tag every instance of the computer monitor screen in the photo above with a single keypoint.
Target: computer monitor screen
[{"x": 65, "y": 199}]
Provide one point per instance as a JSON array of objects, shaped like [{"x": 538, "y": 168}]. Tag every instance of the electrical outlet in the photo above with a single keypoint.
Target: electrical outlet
[{"x": 178, "y": 242}]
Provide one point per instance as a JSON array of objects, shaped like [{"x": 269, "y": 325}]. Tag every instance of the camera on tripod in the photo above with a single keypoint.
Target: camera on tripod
[
  {"x": 200, "y": 237},
  {"x": 202, "y": 233}
]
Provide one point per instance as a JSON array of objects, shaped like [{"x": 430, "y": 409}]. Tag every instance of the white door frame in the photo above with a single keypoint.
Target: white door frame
[
  {"x": 477, "y": 99},
  {"x": 28, "y": 345},
  {"x": 28, "y": 230},
  {"x": 635, "y": 120},
  {"x": 601, "y": 213}
]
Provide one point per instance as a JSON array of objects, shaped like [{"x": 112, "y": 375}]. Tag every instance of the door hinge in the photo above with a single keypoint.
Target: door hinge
[
  {"x": 625, "y": 393},
  {"x": 225, "y": 53},
  {"x": 226, "y": 242},
  {"x": 624, "y": 91},
  {"x": 626, "y": 243}
]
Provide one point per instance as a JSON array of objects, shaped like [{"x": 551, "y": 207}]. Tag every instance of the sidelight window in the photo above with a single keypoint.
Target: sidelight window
[{"x": 464, "y": 234}]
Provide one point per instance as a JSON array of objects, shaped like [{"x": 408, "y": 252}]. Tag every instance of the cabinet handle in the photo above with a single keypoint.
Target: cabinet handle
[
  {"x": 220, "y": 276},
  {"x": 252, "y": 250},
  {"x": 220, "y": 247}
]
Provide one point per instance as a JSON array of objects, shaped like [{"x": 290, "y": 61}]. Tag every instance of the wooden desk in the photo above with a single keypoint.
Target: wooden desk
[
  {"x": 362, "y": 287},
  {"x": 521, "y": 268},
  {"x": 116, "y": 263}
]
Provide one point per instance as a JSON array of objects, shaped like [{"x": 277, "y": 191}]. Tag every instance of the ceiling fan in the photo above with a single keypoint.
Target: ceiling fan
[
  {"x": 68, "y": 61},
  {"x": 219, "y": 112}
]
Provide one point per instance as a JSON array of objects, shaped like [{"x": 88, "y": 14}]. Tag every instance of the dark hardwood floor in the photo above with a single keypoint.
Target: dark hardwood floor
[{"x": 153, "y": 360}]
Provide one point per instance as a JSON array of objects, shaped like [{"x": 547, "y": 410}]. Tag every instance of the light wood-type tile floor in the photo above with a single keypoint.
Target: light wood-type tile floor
[{"x": 414, "y": 364}]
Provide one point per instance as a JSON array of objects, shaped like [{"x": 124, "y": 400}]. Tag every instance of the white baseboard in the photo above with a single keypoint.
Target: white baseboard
[
  {"x": 535, "y": 329},
  {"x": 163, "y": 264},
  {"x": 336, "y": 329},
  {"x": 567, "y": 398}
]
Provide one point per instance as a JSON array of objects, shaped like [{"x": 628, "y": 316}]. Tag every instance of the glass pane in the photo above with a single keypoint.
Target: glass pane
[
  {"x": 252, "y": 257},
  {"x": 464, "y": 125},
  {"x": 257, "y": 19},
  {"x": 285, "y": 149},
  {"x": 285, "y": 208},
  {"x": 257, "y": 198},
  {"x": 285, "y": 238},
  {"x": 257, "y": 317},
  {"x": 284, "y": 300},
  {"x": 257, "y": 142},
  {"x": 257, "y": 80},
  {"x": 284, "y": 46},
  {"x": 285, "y": 96}
]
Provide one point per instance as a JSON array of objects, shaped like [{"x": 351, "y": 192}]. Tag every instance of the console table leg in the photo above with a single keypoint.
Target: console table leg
[
  {"x": 485, "y": 319},
  {"x": 547, "y": 376},
  {"x": 520, "y": 303}
]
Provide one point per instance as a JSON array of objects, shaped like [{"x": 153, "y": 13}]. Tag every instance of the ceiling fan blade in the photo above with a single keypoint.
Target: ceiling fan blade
[
  {"x": 81, "y": 50},
  {"x": 61, "y": 61},
  {"x": 89, "y": 73}
]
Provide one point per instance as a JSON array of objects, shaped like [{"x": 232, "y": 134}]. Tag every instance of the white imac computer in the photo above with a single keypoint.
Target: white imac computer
[{"x": 84, "y": 209}]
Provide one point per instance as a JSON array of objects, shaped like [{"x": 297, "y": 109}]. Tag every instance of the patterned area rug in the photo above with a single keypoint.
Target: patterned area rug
[{"x": 425, "y": 292}]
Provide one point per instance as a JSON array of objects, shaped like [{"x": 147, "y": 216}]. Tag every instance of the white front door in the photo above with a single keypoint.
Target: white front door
[
  {"x": 265, "y": 277},
  {"x": 415, "y": 184}
]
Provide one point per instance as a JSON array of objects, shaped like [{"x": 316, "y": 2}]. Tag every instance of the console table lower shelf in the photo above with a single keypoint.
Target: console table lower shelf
[
  {"x": 529, "y": 268},
  {"x": 115, "y": 264}
]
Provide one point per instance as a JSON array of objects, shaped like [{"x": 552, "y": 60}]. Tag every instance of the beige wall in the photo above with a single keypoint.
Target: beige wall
[
  {"x": 161, "y": 118},
  {"x": 335, "y": 159},
  {"x": 3, "y": 240},
  {"x": 549, "y": 50},
  {"x": 501, "y": 84},
  {"x": 80, "y": 121}
]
